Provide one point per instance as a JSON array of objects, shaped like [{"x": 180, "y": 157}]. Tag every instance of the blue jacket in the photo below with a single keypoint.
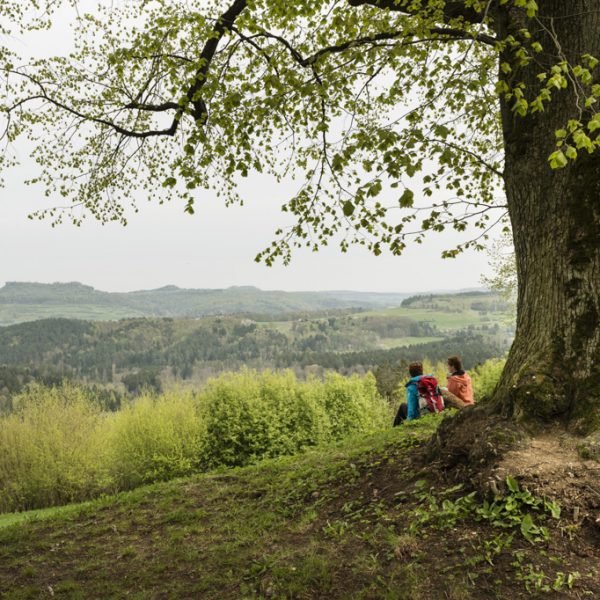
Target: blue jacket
[{"x": 412, "y": 398}]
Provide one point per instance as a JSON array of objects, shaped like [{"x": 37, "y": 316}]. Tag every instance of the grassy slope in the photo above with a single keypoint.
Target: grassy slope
[
  {"x": 330, "y": 524},
  {"x": 453, "y": 312},
  {"x": 12, "y": 314}
]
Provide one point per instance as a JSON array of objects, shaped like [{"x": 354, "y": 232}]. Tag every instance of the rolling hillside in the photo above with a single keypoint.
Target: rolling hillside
[
  {"x": 360, "y": 520},
  {"x": 20, "y": 302}
]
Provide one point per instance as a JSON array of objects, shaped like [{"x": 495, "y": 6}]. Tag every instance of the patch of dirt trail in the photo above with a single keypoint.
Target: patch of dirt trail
[{"x": 549, "y": 466}]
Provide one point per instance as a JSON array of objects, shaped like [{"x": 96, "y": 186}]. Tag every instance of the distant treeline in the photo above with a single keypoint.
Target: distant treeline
[
  {"x": 474, "y": 350},
  {"x": 14, "y": 379},
  {"x": 483, "y": 302},
  {"x": 98, "y": 351}
]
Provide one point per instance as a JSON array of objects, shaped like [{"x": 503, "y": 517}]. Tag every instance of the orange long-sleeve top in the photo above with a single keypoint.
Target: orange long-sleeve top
[{"x": 461, "y": 386}]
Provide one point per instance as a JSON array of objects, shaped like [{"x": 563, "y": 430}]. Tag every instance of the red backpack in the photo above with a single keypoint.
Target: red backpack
[{"x": 430, "y": 395}]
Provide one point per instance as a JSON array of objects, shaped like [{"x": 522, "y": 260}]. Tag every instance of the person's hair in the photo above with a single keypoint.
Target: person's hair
[
  {"x": 415, "y": 368},
  {"x": 455, "y": 363}
]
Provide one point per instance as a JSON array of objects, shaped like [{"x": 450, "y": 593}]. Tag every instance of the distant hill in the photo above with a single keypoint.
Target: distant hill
[{"x": 21, "y": 302}]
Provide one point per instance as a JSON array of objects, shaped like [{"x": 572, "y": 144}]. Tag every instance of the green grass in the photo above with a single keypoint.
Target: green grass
[
  {"x": 332, "y": 523},
  {"x": 452, "y": 312},
  {"x": 17, "y": 518},
  {"x": 445, "y": 321},
  {"x": 11, "y": 314}
]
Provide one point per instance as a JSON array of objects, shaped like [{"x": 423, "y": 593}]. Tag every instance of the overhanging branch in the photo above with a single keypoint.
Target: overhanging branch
[
  {"x": 440, "y": 33},
  {"x": 223, "y": 24},
  {"x": 451, "y": 10}
]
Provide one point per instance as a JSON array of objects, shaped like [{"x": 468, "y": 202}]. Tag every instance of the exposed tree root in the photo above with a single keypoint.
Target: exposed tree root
[{"x": 480, "y": 449}]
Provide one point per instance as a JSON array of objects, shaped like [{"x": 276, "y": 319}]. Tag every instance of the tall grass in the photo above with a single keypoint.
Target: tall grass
[{"x": 58, "y": 446}]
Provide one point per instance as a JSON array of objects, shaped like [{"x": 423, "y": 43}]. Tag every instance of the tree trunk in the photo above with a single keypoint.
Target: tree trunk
[{"x": 553, "y": 368}]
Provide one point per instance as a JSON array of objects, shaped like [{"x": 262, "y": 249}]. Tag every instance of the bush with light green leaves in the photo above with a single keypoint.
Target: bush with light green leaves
[
  {"x": 156, "y": 438},
  {"x": 250, "y": 416},
  {"x": 486, "y": 376},
  {"x": 52, "y": 449},
  {"x": 59, "y": 447}
]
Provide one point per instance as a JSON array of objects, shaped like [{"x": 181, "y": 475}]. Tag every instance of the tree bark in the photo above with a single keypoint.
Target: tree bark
[{"x": 553, "y": 368}]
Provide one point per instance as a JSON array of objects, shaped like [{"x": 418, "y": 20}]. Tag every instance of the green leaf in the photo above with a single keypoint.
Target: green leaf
[
  {"x": 527, "y": 528},
  {"x": 512, "y": 484},
  {"x": 594, "y": 123},
  {"x": 407, "y": 199},
  {"x": 348, "y": 208},
  {"x": 554, "y": 509},
  {"x": 558, "y": 160}
]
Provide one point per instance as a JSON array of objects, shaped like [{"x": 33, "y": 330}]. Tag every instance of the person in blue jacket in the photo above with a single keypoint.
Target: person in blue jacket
[{"x": 410, "y": 410}]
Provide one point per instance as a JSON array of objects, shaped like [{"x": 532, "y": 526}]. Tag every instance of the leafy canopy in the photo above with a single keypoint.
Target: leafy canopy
[{"x": 361, "y": 102}]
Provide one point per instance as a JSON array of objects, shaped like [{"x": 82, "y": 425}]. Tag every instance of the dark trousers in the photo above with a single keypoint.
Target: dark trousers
[{"x": 401, "y": 415}]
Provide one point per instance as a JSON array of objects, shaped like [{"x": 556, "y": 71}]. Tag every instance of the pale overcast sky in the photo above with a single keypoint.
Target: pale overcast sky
[{"x": 214, "y": 248}]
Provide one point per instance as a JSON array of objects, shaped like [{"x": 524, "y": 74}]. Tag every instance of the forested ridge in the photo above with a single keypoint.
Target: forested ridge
[{"x": 132, "y": 354}]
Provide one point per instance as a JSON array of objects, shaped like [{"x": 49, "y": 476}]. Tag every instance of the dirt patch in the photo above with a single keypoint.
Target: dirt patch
[{"x": 549, "y": 466}]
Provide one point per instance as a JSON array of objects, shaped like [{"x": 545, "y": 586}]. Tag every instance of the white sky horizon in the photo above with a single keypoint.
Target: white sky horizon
[
  {"x": 320, "y": 290},
  {"x": 213, "y": 249}
]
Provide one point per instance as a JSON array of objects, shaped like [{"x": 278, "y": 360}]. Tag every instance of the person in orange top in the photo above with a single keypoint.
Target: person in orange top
[{"x": 459, "y": 382}]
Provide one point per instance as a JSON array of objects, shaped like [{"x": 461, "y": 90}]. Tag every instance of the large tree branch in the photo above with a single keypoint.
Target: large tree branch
[
  {"x": 224, "y": 24},
  {"x": 452, "y": 9},
  {"x": 440, "y": 33},
  {"x": 153, "y": 107},
  {"x": 45, "y": 95}
]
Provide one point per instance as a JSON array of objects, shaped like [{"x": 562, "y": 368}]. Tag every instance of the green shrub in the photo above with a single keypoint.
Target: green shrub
[
  {"x": 249, "y": 415},
  {"x": 51, "y": 449},
  {"x": 58, "y": 446},
  {"x": 486, "y": 376},
  {"x": 155, "y": 438},
  {"x": 353, "y": 405}
]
